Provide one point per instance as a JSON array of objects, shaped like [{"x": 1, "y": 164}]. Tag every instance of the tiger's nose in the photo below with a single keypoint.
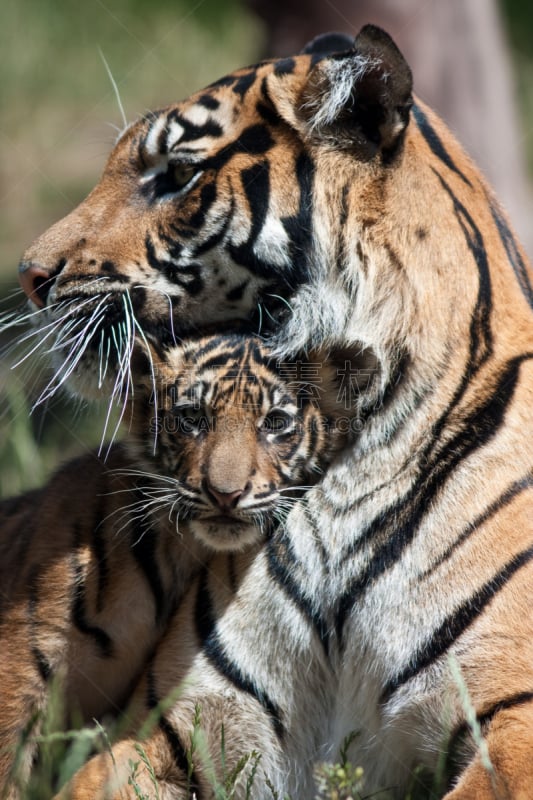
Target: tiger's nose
[
  {"x": 226, "y": 501},
  {"x": 36, "y": 282}
]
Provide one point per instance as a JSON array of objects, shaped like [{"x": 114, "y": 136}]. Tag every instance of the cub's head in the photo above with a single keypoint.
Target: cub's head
[
  {"x": 227, "y": 436},
  {"x": 221, "y": 207}
]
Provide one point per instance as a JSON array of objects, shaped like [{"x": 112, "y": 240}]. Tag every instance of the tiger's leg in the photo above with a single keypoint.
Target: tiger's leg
[
  {"x": 510, "y": 747},
  {"x": 231, "y": 744},
  {"x": 131, "y": 770}
]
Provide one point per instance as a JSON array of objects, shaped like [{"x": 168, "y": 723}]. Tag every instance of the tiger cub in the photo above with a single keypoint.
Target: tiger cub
[{"x": 94, "y": 563}]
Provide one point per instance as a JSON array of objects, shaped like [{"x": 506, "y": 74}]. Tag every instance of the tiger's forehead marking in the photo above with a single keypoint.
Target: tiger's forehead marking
[
  {"x": 209, "y": 113},
  {"x": 152, "y": 141},
  {"x": 175, "y": 131}
]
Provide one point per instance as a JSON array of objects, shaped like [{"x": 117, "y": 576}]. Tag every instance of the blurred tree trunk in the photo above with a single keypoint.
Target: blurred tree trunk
[{"x": 461, "y": 67}]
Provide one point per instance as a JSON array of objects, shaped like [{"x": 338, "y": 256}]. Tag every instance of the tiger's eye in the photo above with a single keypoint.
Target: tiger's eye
[{"x": 182, "y": 174}]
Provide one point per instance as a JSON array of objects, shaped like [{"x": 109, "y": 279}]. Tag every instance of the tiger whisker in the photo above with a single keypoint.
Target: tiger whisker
[
  {"x": 100, "y": 359},
  {"x": 137, "y": 473},
  {"x": 270, "y": 315},
  {"x": 69, "y": 365},
  {"x": 54, "y": 326},
  {"x": 77, "y": 333},
  {"x": 141, "y": 333},
  {"x": 15, "y": 317},
  {"x": 123, "y": 385},
  {"x": 300, "y": 487},
  {"x": 148, "y": 491},
  {"x": 139, "y": 510},
  {"x": 170, "y": 306},
  {"x": 184, "y": 494},
  {"x": 283, "y": 300}
]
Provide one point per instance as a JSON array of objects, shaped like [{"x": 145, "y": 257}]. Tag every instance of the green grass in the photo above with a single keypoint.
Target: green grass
[{"x": 62, "y": 753}]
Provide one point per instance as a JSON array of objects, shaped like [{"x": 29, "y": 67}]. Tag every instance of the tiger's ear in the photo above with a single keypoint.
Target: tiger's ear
[{"x": 360, "y": 98}]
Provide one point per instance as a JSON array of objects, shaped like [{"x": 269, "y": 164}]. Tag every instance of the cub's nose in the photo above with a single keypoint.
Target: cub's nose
[
  {"x": 226, "y": 501},
  {"x": 35, "y": 281}
]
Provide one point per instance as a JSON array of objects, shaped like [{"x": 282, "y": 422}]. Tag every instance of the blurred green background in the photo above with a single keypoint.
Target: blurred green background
[{"x": 57, "y": 117}]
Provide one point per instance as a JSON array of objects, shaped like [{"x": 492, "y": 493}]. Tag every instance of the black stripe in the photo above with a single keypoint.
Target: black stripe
[
  {"x": 143, "y": 545},
  {"x": 284, "y": 66},
  {"x": 179, "y": 752},
  {"x": 226, "y": 80},
  {"x": 243, "y": 83},
  {"x": 221, "y": 359},
  {"x": 256, "y": 186},
  {"x": 435, "y": 142},
  {"x": 189, "y": 276},
  {"x": 480, "y": 333},
  {"x": 43, "y": 665},
  {"x": 217, "y": 237},
  {"x": 255, "y": 140},
  {"x": 500, "y": 503},
  {"x": 299, "y": 228},
  {"x": 283, "y": 566},
  {"x": 457, "y": 623},
  {"x": 513, "y": 253},
  {"x": 233, "y": 577},
  {"x": 213, "y": 648},
  {"x": 344, "y": 212},
  {"x": 456, "y": 744},
  {"x": 208, "y": 101},
  {"x": 79, "y": 613},
  {"x": 265, "y": 108},
  {"x": 396, "y": 526},
  {"x": 519, "y": 699},
  {"x": 193, "y": 132},
  {"x": 208, "y": 195},
  {"x": 225, "y": 340}
]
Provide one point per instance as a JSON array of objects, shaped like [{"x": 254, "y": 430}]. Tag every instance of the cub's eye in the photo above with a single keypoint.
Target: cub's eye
[
  {"x": 191, "y": 419},
  {"x": 278, "y": 422},
  {"x": 181, "y": 174}
]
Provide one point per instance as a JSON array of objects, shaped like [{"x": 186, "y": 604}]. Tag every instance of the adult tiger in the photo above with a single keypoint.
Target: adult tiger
[
  {"x": 88, "y": 587},
  {"x": 315, "y": 179}
]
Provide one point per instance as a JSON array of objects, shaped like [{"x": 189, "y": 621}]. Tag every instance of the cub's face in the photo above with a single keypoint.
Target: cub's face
[{"x": 230, "y": 438}]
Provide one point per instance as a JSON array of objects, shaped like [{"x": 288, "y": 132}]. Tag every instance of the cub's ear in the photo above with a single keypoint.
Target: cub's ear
[
  {"x": 361, "y": 98},
  {"x": 344, "y": 374}
]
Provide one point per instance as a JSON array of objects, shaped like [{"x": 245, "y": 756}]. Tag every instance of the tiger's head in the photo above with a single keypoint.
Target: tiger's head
[
  {"x": 213, "y": 209},
  {"x": 307, "y": 198},
  {"x": 227, "y": 436}
]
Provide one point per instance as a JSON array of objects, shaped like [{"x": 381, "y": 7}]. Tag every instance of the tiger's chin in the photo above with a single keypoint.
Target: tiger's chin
[{"x": 226, "y": 534}]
